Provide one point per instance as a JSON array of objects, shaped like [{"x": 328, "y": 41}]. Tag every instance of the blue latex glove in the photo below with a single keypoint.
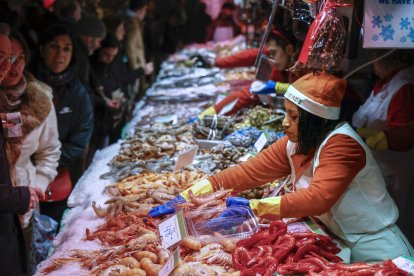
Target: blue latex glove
[
  {"x": 234, "y": 215},
  {"x": 261, "y": 88},
  {"x": 166, "y": 208},
  {"x": 237, "y": 201},
  {"x": 192, "y": 120}
]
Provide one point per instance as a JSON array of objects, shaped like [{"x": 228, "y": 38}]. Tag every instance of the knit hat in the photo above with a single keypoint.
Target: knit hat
[
  {"x": 320, "y": 94},
  {"x": 91, "y": 26}
]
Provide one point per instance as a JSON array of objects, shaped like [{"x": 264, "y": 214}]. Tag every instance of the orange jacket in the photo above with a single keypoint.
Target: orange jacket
[{"x": 340, "y": 161}]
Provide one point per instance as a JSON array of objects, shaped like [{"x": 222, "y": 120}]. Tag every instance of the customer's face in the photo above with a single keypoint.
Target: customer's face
[
  {"x": 16, "y": 71},
  {"x": 290, "y": 122},
  {"x": 91, "y": 42},
  {"x": 58, "y": 54},
  {"x": 5, "y": 51},
  {"x": 107, "y": 55}
]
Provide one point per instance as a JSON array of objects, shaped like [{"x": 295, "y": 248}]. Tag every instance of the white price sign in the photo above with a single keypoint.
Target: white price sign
[
  {"x": 185, "y": 158},
  {"x": 405, "y": 263},
  {"x": 262, "y": 141},
  {"x": 170, "y": 264},
  {"x": 228, "y": 108},
  {"x": 172, "y": 230},
  {"x": 247, "y": 156}
]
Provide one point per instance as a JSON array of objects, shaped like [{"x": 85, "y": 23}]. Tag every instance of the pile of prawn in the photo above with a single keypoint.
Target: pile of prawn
[
  {"x": 139, "y": 194},
  {"x": 275, "y": 250}
]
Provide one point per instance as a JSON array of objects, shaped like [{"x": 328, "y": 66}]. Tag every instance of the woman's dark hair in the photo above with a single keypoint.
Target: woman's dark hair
[
  {"x": 312, "y": 130},
  {"x": 55, "y": 31},
  {"x": 16, "y": 35}
]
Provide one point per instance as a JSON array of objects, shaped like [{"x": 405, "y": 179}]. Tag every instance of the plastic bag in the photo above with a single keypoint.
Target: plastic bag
[
  {"x": 44, "y": 231},
  {"x": 325, "y": 42}
]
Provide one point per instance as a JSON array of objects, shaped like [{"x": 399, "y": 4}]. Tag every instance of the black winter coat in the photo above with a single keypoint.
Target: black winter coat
[
  {"x": 74, "y": 114},
  {"x": 13, "y": 201}
]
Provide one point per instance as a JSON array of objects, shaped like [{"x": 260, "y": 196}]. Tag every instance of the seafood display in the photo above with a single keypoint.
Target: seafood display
[
  {"x": 140, "y": 193},
  {"x": 219, "y": 158},
  {"x": 273, "y": 250},
  {"x": 150, "y": 149}
]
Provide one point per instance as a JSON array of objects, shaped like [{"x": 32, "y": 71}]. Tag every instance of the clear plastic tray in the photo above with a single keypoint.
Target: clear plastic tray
[{"x": 207, "y": 225}]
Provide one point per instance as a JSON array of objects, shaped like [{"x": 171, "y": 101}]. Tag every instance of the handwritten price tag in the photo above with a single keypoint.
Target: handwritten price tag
[
  {"x": 170, "y": 264},
  {"x": 185, "y": 158},
  {"x": 172, "y": 230},
  {"x": 405, "y": 263},
  {"x": 262, "y": 141}
]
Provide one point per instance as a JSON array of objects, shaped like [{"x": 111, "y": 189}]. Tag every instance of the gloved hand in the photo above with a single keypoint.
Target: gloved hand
[
  {"x": 231, "y": 217},
  {"x": 237, "y": 201},
  {"x": 269, "y": 87},
  {"x": 201, "y": 187},
  {"x": 208, "y": 111},
  {"x": 374, "y": 138},
  {"x": 166, "y": 208}
]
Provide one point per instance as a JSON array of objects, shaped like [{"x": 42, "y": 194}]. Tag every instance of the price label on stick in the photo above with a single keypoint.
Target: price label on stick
[
  {"x": 247, "y": 156},
  {"x": 228, "y": 108},
  {"x": 170, "y": 264},
  {"x": 262, "y": 141},
  {"x": 405, "y": 263},
  {"x": 185, "y": 158},
  {"x": 172, "y": 230}
]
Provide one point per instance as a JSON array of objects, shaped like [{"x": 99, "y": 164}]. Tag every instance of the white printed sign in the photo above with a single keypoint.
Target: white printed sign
[
  {"x": 172, "y": 230},
  {"x": 405, "y": 263},
  {"x": 262, "y": 141},
  {"x": 389, "y": 24},
  {"x": 170, "y": 264},
  {"x": 185, "y": 158}
]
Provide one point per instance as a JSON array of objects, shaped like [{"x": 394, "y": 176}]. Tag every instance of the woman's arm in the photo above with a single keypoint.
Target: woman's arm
[{"x": 271, "y": 164}]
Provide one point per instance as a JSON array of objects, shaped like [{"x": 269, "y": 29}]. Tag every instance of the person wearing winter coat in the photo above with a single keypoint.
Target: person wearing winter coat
[
  {"x": 13, "y": 200},
  {"x": 33, "y": 147}
]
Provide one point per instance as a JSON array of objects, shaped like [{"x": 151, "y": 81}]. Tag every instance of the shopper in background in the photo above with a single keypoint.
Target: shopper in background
[
  {"x": 57, "y": 68},
  {"x": 224, "y": 27},
  {"x": 334, "y": 175},
  {"x": 33, "y": 146},
  {"x": 390, "y": 105},
  {"x": 134, "y": 41},
  {"x": 197, "y": 23},
  {"x": 281, "y": 47},
  {"x": 13, "y": 200},
  {"x": 109, "y": 71}
]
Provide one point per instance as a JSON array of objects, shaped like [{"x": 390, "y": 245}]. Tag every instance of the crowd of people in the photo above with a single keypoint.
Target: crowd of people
[{"x": 72, "y": 73}]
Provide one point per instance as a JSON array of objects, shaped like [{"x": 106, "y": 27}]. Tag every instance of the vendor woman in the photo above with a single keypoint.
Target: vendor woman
[{"x": 334, "y": 174}]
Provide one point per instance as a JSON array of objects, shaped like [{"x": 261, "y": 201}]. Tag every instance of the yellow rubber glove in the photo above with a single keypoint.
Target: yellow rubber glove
[
  {"x": 377, "y": 141},
  {"x": 200, "y": 188},
  {"x": 268, "y": 208},
  {"x": 366, "y": 132},
  {"x": 281, "y": 88},
  {"x": 208, "y": 111}
]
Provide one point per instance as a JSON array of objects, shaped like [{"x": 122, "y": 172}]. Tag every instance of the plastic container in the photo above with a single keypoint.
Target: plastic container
[{"x": 206, "y": 224}]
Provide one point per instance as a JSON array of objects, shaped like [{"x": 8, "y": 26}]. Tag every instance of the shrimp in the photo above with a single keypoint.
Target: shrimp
[
  {"x": 221, "y": 258},
  {"x": 191, "y": 242},
  {"x": 163, "y": 254},
  {"x": 129, "y": 262},
  {"x": 150, "y": 268},
  {"x": 145, "y": 254},
  {"x": 121, "y": 270},
  {"x": 98, "y": 210}
]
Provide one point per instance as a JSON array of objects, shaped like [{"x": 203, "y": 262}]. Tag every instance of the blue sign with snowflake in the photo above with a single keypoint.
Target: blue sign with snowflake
[{"x": 389, "y": 24}]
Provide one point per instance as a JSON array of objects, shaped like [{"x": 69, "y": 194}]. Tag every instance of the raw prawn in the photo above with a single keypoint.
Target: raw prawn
[
  {"x": 145, "y": 254},
  {"x": 191, "y": 243},
  {"x": 150, "y": 268}
]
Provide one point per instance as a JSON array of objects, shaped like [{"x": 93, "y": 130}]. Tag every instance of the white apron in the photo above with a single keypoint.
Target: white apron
[
  {"x": 223, "y": 33},
  {"x": 364, "y": 211},
  {"x": 397, "y": 168}
]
